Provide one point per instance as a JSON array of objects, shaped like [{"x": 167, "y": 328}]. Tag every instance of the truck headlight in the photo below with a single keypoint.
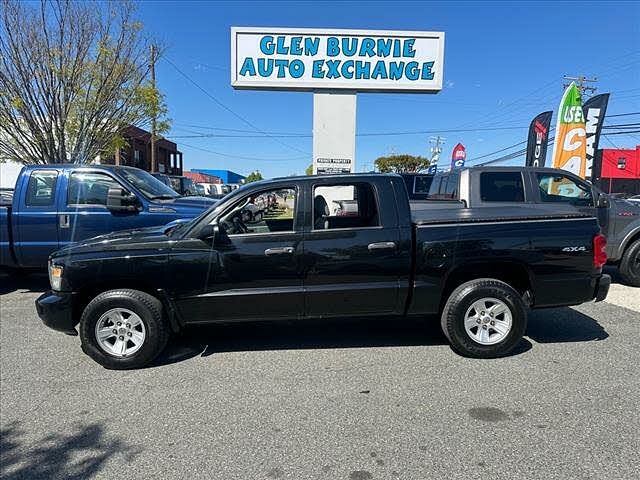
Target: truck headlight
[{"x": 55, "y": 276}]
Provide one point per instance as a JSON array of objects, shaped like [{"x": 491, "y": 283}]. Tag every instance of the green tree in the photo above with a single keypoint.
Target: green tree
[
  {"x": 253, "y": 177},
  {"x": 72, "y": 76},
  {"x": 401, "y": 163},
  {"x": 309, "y": 170}
]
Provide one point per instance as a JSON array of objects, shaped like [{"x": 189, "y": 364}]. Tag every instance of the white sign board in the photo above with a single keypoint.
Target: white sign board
[{"x": 355, "y": 60}]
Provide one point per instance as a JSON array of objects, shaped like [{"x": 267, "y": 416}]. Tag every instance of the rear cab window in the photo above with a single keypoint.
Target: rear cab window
[
  {"x": 501, "y": 187},
  {"x": 352, "y": 205},
  {"x": 41, "y": 189}
]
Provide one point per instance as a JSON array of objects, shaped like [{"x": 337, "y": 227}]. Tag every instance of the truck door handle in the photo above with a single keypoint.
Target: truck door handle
[
  {"x": 63, "y": 221},
  {"x": 381, "y": 245},
  {"x": 279, "y": 251}
]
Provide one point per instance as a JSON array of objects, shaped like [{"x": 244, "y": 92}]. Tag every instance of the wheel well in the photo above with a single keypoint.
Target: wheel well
[
  {"x": 512, "y": 273},
  {"x": 85, "y": 295},
  {"x": 635, "y": 237}
]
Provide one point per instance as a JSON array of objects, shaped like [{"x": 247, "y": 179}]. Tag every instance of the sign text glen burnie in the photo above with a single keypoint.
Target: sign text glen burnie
[{"x": 337, "y": 59}]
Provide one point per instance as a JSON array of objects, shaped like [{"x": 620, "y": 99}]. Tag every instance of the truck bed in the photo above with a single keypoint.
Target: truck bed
[{"x": 421, "y": 216}]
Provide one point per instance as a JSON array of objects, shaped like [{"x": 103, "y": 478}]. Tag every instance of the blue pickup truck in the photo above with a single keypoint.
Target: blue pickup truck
[{"x": 55, "y": 205}]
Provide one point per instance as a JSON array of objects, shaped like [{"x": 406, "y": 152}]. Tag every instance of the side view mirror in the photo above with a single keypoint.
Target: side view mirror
[
  {"x": 119, "y": 200},
  {"x": 210, "y": 232},
  {"x": 602, "y": 201}
]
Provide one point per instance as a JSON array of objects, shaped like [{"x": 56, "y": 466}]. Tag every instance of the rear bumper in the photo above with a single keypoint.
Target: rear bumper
[
  {"x": 55, "y": 309},
  {"x": 602, "y": 289}
]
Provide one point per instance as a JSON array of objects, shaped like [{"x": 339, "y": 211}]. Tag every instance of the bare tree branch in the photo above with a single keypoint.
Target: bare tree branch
[{"x": 72, "y": 76}]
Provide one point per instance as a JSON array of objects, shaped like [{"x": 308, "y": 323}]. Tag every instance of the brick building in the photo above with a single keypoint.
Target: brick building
[{"x": 137, "y": 153}]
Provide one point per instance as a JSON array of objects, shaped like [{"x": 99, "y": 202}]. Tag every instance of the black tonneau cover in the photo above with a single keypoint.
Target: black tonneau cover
[{"x": 491, "y": 214}]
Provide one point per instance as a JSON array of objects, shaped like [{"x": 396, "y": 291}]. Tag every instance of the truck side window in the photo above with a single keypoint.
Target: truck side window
[
  {"x": 262, "y": 212},
  {"x": 344, "y": 206},
  {"x": 41, "y": 190},
  {"x": 90, "y": 188},
  {"x": 561, "y": 188},
  {"x": 501, "y": 187}
]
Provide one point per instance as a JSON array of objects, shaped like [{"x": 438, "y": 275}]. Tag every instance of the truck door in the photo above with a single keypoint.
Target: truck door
[
  {"x": 35, "y": 218},
  {"x": 352, "y": 251},
  {"x": 84, "y": 214},
  {"x": 252, "y": 270}
]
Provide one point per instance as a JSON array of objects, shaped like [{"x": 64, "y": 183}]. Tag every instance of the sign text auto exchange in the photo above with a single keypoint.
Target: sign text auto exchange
[{"x": 401, "y": 50}]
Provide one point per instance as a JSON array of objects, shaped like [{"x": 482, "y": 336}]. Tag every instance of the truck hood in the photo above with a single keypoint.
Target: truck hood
[
  {"x": 184, "y": 205},
  {"x": 130, "y": 240}
]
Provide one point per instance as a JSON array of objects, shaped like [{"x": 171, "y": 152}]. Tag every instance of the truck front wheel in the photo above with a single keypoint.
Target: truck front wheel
[
  {"x": 484, "y": 318},
  {"x": 630, "y": 265},
  {"x": 123, "y": 329}
]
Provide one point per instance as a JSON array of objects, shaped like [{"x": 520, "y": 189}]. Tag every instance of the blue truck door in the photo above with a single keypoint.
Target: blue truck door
[
  {"x": 35, "y": 217},
  {"x": 83, "y": 211}
]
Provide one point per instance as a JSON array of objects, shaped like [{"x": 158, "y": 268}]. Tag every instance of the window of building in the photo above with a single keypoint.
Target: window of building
[
  {"x": 622, "y": 163},
  {"x": 561, "y": 188},
  {"x": 90, "y": 188},
  {"x": 263, "y": 212},
  {"x": 41, "y": 189},
  {"x": 344, "y": 206},
  {"x": 501, "y": 187}
]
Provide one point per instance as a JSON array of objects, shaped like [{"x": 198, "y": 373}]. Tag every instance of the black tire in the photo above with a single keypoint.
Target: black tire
[
  {"x": 630, "y": 265},
  {"x": 461, "y": 300},
  {"x": 147, "y": 307}
]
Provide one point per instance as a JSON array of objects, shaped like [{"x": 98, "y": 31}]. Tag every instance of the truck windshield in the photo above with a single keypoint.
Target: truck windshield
[{"x": 151, "y": 187}]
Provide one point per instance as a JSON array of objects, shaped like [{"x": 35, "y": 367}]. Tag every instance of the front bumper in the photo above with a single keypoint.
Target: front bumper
[
  {"x": 602, "y": 288},
  {"x": 55, "y": 309}
]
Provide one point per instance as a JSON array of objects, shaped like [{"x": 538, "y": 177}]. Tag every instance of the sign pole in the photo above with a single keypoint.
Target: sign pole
[{"x": 334, "y": 132}]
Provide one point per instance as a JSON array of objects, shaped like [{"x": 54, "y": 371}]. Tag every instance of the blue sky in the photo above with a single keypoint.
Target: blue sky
[{"x": 504, "y": 63}]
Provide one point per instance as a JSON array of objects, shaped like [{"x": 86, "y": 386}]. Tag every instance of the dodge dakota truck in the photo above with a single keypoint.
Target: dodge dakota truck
[
  {"x": 55, "y": 205},
  {"x": 480, "y": 270},
  {"x": 548, "y": 189}
]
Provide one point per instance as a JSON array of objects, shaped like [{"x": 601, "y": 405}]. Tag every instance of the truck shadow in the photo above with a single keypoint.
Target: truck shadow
[
  {"x": 615, "y": 275},
  {"x": 561, "y": 325},
  {"x": 33, "y": 282},
  {"x": 76, "y": 454},
  {"x": 325, "y": 334},
  {"x": 558, "y": 325}
]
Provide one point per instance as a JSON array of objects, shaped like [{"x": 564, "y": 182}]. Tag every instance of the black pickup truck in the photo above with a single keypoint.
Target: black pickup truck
[{"x": 479, "y": 269}]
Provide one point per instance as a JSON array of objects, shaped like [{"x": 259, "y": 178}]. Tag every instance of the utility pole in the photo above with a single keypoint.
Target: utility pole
[
  {"x": 152, "y": 67},
  {"x": 581, "y": 81},
  {"x": 436, "y": 149}
]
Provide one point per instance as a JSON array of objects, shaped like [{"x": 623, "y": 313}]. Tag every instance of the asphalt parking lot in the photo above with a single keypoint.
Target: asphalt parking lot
[{"x": 350, "y": 400}]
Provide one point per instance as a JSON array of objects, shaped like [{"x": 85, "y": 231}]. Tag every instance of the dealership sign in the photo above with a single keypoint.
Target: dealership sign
[{"x": 356, "y": 60}]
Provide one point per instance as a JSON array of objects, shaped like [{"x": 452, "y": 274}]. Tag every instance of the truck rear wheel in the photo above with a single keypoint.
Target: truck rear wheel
[
  {"x": 484, "y": 318},
  {"x": 630, "y": 265},
  {"x": 123, "y": 329}
]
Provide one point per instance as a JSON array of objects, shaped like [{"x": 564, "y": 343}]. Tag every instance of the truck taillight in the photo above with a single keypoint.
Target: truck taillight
[{"x": 599, "y": 253}]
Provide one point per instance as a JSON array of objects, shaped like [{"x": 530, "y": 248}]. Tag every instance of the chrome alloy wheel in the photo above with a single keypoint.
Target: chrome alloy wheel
[
  {"x": 120, "y": 332},
  {"x": 488, "y": 321}
]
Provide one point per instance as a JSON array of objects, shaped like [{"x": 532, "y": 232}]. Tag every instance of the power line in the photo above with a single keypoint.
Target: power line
[
  {"x": 623, "y": 133},
  {"x": 364, "y": 134},
  {"x": 242, "y": 157},
  {"x": 623, "y": 114},
  {"x": 222, "y": 105}
]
